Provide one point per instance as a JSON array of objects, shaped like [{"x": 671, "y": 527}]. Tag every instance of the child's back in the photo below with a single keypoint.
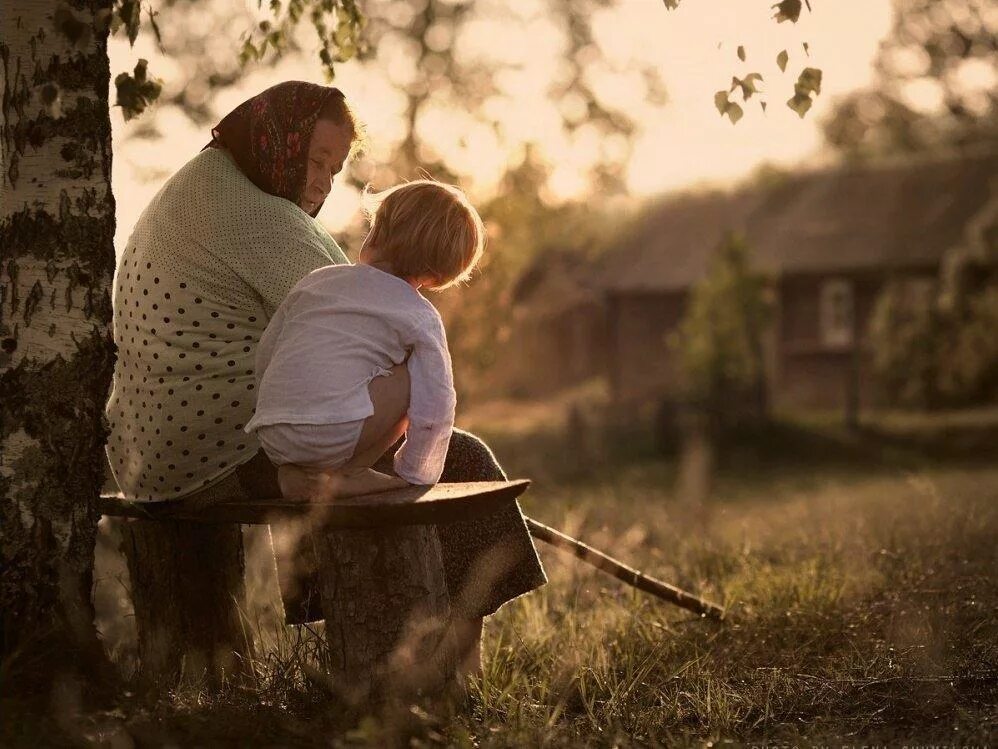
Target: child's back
[
  {"x": 321, "y": 361},
  {"x": 338, "y": 329}
]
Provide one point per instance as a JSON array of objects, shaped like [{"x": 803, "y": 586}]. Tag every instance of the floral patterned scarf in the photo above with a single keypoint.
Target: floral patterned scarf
[{"x": 269, "y": 134}]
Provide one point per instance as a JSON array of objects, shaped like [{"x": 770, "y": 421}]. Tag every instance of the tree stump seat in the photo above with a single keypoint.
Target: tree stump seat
[{"x": 380, "y": 573}]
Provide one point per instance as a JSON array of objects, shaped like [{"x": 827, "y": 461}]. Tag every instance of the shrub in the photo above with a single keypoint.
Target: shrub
[{"x": 719, "y": 343}]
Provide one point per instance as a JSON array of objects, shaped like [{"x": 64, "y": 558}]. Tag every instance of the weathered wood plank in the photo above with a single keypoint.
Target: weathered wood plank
[{"x": 415, "y": 505}]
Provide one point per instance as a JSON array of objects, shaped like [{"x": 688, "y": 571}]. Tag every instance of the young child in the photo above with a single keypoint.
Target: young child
[{"x": 354, "y": 357}]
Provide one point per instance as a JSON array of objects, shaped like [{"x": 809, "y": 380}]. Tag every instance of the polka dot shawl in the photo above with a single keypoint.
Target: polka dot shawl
[{"x": 208, "y": 263}]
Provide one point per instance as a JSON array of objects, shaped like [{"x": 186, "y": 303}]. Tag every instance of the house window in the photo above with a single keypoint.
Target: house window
[{"x": 837, "y": 312}]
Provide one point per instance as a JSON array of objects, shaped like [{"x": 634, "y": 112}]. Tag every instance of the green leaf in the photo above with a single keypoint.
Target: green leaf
[
  {"x": 721, "y": 101},
  {"x": 741, "y": 53},
  {"x": 746, "y": 84},
  {"x": 800, "y": 103},
  {"x": 247, "y": 53},
  {"x": 344, "y": 34},
  {"x": 137, "y": 91},
  {"x": 787, "y": 10},
  {"x": 809, "y": 81},
  {"x": 671, "y": 4},
  {"x": 726, "y": 107},
  {"x": 130, "y": 15},
  {"x": 782, "y": 59}
]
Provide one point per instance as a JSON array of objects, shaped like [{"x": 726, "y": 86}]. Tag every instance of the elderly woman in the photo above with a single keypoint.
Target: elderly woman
[{"x": 209, "y": 261}]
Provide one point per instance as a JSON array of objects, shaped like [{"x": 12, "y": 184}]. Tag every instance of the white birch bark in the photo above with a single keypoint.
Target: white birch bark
[{"x": 56, "y": 268}]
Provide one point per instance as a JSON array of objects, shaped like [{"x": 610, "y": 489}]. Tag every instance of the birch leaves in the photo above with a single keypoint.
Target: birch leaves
[
  {"x": 808, "y": 83},
  {"x": 338, "y": 25}
]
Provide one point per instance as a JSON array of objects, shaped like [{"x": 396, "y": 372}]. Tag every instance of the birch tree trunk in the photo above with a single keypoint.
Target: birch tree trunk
[{"x": 56, "y": 350}]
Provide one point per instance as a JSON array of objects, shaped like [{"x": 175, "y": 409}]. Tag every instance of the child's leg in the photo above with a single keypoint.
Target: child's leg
[{"x": 390, "y": 397}]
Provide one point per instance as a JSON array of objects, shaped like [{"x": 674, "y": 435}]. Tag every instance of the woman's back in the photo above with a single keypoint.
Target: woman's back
[{"x": 209, "y": 261}]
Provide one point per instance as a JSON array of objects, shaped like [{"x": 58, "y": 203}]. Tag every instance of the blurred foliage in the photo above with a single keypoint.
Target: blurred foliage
[
  {"x": 523, "y": 230},
  {"x": 941, "y": 49},
  {"x": 905, "y": 332},
  {"x": 446, "y": 73},
  {"x": 936, "y": 347},
  {"x": 338, "y": 25},
  {"x": 719, "y": 343},
  {"x": 197, "y": 35},
  {"x": 936, "y": 87}
]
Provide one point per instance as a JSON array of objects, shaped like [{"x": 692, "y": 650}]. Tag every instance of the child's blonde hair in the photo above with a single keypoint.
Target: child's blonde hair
[{"x": 424, "y": 229}]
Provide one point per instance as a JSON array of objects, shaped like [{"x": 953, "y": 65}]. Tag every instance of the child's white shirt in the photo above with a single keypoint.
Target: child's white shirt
[{"x": 340, "y": 327}]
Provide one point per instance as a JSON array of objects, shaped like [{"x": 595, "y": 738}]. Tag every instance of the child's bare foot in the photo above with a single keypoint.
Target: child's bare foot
[
  {"x": 314, "y": 485},
  {"x": 366, "y": 481}
]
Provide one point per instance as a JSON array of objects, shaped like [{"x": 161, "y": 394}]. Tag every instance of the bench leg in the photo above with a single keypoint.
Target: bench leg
[
  {"x": 187, "y": 589},
  {"x": 387, "y": 610}
]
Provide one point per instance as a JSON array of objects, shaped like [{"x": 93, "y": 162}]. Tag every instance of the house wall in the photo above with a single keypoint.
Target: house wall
[
  {"x": 546, "y": 354},
  {"x": 810, "y": 372},
  {"x": 639, "y": 364},
  {"x": 804, "y": 370}
]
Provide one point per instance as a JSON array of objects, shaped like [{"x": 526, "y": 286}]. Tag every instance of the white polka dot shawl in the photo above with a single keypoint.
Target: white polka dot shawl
[{"x": 208, "y": 263}]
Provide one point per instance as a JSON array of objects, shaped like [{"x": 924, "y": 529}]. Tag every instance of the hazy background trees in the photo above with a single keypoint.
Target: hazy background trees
[
  {"x": 936, "y": 88},
  {"x": 935, "y": 83}
]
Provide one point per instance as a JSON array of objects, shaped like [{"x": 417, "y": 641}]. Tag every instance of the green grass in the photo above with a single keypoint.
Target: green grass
[{"x": 860, "y": 572}]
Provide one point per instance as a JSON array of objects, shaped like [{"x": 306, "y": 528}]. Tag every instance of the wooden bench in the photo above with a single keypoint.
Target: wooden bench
[{"x": 381, "y": 582}]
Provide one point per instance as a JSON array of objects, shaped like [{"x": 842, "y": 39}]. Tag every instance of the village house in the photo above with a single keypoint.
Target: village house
[{"x": 827, "y": 239}]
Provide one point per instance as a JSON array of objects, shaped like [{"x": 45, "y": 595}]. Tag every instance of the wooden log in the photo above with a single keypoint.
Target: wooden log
[
  {"x": 387, "y": 610},
  {"x": 187, "y": 589},
  {"x": 382, "y": 579}
]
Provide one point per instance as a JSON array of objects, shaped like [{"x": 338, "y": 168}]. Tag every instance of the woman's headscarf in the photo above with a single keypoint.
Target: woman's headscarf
[{"x": 269, "y": 134}]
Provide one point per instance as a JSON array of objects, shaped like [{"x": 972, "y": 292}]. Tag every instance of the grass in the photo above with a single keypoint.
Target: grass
[{"x": 860, "y": 572}]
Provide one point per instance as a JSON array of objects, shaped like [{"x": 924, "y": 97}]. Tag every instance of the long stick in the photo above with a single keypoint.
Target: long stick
[{"x": 621, "y": 571}]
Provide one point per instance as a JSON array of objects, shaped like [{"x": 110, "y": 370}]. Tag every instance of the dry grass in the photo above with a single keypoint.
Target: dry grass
[{"x": 863, "y": 594}]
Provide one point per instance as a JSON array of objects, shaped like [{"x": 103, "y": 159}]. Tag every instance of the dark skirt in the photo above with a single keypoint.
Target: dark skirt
[{"x": 487, "y": 561}]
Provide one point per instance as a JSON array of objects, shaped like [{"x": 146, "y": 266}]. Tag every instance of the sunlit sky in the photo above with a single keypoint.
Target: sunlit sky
[{"x": 683, "y": 144}]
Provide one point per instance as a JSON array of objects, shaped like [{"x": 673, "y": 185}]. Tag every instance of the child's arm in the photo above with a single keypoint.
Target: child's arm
[{"x": 432, "y": 401}]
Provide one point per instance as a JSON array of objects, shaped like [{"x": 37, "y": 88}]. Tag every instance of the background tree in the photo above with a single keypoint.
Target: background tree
[
  {"x": 936, "y": 88},
  {"x": 719, "y": 343},
  {"x": 936, "y": 83}
]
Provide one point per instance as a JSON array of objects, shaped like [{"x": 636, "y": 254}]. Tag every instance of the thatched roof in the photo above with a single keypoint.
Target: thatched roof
[{"x": 895, "y": 214}]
